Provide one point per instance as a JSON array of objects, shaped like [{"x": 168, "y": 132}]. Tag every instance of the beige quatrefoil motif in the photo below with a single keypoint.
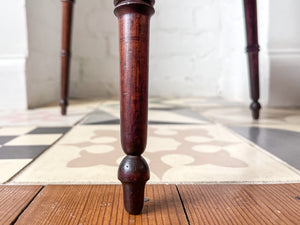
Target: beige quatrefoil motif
[{"x": 165, "y": 147}]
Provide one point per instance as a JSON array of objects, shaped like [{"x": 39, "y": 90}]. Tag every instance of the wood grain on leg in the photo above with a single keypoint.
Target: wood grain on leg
[
  {"x": 13, "y": 200},
  {"x": 134, "y": 19},
  {"x": 67, "y": 13},
  {"x": 252, "y": 49}
]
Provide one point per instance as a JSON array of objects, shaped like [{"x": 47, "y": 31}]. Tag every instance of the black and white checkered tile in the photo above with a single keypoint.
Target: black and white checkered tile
[{"x": 20, "y": 145}]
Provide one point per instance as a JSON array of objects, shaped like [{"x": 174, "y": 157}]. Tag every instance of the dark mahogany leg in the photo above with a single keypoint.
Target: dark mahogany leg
[
  {"x": 134, "y": 18},
  {"x": 252, "y": 49},
  {"x": 67, "y": 11}
]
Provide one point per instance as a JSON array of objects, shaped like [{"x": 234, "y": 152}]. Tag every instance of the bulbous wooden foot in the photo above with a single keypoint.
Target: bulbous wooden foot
[
  {"x": 255, "y": 107},
  {"x": 133, "y": 173}
]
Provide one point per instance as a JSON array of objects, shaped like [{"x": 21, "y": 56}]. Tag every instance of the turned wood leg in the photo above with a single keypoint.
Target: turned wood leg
[
  {"x": 67, "y": 11},
  {"x": 252, "y": 49},
  {"x": 134, "y": 18}
]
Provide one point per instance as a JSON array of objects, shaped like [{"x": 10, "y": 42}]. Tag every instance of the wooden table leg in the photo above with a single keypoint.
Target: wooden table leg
[
  {"x": 134, "y": 19},
  {"x": 67, "y": 12},
  {"x": 252, "y": 49}
]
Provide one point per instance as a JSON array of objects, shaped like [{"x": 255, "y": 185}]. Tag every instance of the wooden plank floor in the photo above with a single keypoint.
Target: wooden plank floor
[
  {"x": 168, "y": 204},
  {"x": 242, "y": 204},
  {"x": 13, "y": 200},
  {"x": 97, "y": 204}
]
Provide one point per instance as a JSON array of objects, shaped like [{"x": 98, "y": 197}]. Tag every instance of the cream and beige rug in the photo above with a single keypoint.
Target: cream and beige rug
[{"x": 185, "y": 145}]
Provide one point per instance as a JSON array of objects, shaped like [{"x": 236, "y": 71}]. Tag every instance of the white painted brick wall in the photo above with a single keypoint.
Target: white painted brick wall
[
  {"x": 43, "y": 61},
  {"x": 197, "y": 48},
  {"x": 95, "y": 50}
]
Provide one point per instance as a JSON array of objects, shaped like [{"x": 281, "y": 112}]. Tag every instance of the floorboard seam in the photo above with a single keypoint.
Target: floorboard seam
[
  {"x": 184, "y": 209},
  {"x": 29, "y": 203}
]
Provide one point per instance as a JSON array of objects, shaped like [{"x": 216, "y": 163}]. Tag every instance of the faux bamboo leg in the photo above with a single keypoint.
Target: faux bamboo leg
[
  {"x": 252, "y": 49},
  {"x": 134, "y": 18},
  {"x": 67, "y": 11}
]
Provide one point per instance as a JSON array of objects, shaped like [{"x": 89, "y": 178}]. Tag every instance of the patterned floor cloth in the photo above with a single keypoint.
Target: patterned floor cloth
[{"x": 197, "y": 140}]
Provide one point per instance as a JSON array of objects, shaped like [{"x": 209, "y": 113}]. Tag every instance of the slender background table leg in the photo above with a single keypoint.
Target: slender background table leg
[
  {"x": 253, "y": 49},
  {"x": 67, "y": 12},
  {"x": 134, "y": 18}
]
